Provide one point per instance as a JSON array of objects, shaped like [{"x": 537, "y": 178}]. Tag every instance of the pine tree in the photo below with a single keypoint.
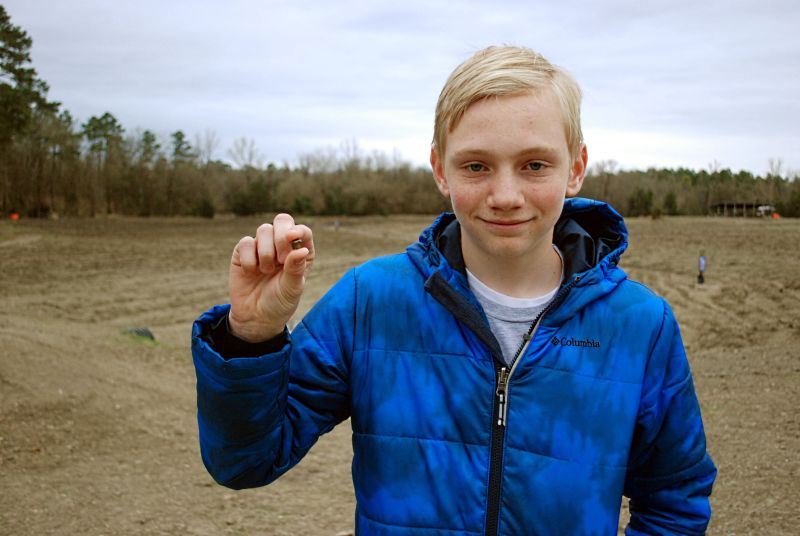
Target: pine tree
[{"x": 22, "y": 95}]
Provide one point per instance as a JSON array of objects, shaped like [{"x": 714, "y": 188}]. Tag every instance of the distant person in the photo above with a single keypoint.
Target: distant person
[
  {"x": 501, "y": 376},
  {"x": 701, "y": 268}
]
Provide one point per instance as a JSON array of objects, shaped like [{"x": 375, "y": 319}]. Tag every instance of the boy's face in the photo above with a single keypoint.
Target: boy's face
[{"x": 507, "y": 169}]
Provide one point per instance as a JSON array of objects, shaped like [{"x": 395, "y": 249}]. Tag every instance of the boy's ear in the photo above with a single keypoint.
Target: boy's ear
[
  {"x": 438, "y": 172},
  {"x": 577, "y": 172}
]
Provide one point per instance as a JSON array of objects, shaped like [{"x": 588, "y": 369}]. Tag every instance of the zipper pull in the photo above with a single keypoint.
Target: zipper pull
[{"x": 502, "y": 384}]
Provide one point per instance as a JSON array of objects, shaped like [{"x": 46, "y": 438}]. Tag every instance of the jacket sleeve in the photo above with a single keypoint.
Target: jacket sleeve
[
  {"x": 670, "y": 474},
  {"x": 258, "y": 416}
]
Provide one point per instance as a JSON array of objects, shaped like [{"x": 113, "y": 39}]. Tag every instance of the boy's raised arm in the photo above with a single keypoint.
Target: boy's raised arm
[{"x": 257, "y": 417}]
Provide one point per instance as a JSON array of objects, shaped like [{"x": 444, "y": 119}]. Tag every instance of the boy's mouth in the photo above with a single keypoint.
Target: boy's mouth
[{"x": 506, "y": 223}]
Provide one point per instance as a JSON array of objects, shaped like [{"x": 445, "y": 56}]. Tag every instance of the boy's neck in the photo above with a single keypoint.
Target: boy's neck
[{"x": 527, "y": 276}]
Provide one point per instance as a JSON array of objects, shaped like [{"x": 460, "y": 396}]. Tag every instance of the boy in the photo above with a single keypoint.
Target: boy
[{"x": 502, "y": 375}]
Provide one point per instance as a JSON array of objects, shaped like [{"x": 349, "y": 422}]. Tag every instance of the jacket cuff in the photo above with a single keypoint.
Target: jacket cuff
[{"x": 229, "y": 346}]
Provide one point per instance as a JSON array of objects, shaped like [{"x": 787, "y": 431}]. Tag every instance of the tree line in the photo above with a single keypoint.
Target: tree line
[
  {"x": 683, "y": 191},
  {"x": 50, "y": 164}
]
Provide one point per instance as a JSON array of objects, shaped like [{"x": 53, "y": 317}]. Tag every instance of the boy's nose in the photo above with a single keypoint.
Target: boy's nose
[{"x": 506, "y": 191}]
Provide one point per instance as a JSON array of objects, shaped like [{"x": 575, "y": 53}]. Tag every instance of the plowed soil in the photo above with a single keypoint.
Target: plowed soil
[{"x": 97, "y": 426}]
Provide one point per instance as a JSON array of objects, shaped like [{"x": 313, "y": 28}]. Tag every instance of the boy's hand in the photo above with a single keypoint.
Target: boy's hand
[{"x": 267, "y": 277}]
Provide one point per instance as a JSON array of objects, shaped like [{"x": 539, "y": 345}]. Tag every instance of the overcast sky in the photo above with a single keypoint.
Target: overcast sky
[{"x": 666, "y": 83}]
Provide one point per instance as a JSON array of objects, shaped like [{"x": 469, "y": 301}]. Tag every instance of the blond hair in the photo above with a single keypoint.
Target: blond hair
[{"x": 499, "y": 71}]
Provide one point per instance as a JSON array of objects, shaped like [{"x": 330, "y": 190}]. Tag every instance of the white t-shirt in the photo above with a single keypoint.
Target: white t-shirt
[{"x": 510, "y": 318}]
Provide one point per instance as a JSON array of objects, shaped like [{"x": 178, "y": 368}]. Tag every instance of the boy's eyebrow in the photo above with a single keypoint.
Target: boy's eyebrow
[{"x": 478, "y": 152}]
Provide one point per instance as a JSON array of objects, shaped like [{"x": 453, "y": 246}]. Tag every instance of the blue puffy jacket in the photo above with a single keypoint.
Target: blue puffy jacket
[{"x": 448, "y": 441}]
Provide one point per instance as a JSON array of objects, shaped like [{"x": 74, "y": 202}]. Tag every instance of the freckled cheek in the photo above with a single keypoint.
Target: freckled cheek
[
  {"x": 551, "y": 197},
  {"x": 548, "y": 205},
  {"x": 465, "y": 199}
]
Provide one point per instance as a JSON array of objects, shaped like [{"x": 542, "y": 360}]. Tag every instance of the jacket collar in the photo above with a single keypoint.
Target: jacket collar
[{"x": 589, "y": 233}]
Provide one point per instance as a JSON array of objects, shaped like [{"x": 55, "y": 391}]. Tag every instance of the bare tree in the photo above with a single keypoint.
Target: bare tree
[
  {"x": 244, "y": 153},
  {"x": 206, "y": 144},
  {"x": 351, "y": 155},
  {"x": 378, "y": 161},
  {"x": 603, "y": 170},
  {"x": 319, "y": 161},
  {"x": 775, "y": 167}
]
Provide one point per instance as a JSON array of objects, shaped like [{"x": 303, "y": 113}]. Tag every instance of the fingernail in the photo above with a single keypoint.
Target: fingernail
[{"x": 297, "y": 244}]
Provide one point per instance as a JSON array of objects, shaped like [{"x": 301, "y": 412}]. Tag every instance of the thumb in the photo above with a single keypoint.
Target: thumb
[{"x": 293, "y": 278}]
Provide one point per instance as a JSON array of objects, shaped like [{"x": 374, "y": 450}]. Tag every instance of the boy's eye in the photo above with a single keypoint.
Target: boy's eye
[
  {"x": 535, "y": 166},
  {"x": 474, "y": 167}
]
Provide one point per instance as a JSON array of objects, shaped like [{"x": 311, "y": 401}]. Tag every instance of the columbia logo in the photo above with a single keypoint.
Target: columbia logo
[{"x": 571, "y": 341}]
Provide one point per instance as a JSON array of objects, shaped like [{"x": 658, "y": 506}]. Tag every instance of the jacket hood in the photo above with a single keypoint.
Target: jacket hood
[{"x": 591, "y": 235}]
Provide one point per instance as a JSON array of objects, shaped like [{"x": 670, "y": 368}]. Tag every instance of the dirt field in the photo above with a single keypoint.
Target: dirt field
[{"x": 98, "y": 431}]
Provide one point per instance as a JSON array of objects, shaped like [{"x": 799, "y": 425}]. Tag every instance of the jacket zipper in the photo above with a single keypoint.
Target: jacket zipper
[{"x": 503, "y": 375}]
